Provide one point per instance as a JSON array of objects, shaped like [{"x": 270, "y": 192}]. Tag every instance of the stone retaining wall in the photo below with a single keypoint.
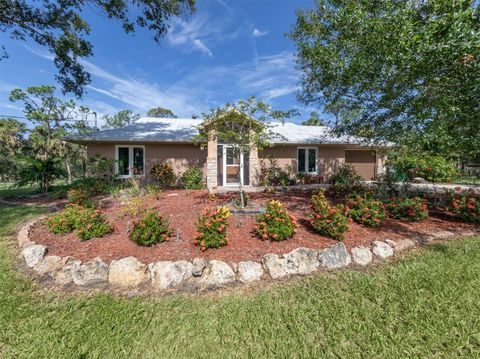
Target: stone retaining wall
[{"x": 167, "y": 275}]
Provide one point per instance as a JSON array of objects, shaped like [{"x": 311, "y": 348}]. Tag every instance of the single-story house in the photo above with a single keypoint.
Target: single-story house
[{"x": 311, "y": 150}]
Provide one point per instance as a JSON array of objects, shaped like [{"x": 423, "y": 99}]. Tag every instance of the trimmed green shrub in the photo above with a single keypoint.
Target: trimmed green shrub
[
  {"x": 275, "y": 223},
  {"x": 465, "y": 204},
  {"x": 151, "y": 229},
  {"x": 408, "y": 209},
  {"x": 431, "y": 168},
  {"x": 64, "y": 221},
  {"x": 212, "y": 228},
  {"x": 366, "y": 210},
  {"x": 327, "y": 220},
  {"x": 346, "y": 181},
  {"x": 163, "y": 173},
  {"x": 192, "y": 178}
]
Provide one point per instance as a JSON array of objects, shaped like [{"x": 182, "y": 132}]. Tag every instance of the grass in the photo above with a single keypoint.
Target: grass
[{"x": 424, "y": 305}]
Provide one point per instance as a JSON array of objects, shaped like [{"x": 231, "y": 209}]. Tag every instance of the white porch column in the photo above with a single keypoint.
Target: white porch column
[
  {"x": 212, "y": 163},
  {"x": 253, "y": 166}
]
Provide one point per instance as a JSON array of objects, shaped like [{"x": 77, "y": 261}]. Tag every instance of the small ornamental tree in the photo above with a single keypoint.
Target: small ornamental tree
[{"x": 244, "y": 125}]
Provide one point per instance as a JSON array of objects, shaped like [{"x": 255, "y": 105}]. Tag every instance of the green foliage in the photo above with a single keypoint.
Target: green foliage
[
  {"x": 211, "y": 228},
  {"x": 121, "y": 119},
  {"x": 465, "y": 204},
  {"x": 60, "y": 26},
  {"x": 64, "y": 221},
  {"x": 366, "y": 210},
  {"x": 153, "y": 189},
  {"x": 163, "y": 173},
  {"x": 102, "y": 167},
  {"x": 151, "y": 229},
  {"x": 327, "y": 220},
  {"x": 405, "y": 71},
  {"x": 346, "y": 181},
  {"x": 275, "y": 223},
  {"x": 39, "y": 172},
  {"x": 408, "y": 209},
  {"x": 78, "y": 195},
  {"x": 192, "y": 178},
  {"x": 431, "y": 168},
  {"x": 161, "y": 112},
  {"x": 272, "y": 174},
  {"x": 314, "y": 120}
]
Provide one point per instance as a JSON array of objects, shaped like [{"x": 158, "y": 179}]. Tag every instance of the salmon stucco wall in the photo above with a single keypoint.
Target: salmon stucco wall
[{"x": 181, "y": 156}]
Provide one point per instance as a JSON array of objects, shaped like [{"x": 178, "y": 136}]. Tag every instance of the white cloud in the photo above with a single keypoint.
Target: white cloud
[
  {"x": 201, "y": 46},
  {"x": 258, "y": 33},
  {"x": 193, "y": 34}
]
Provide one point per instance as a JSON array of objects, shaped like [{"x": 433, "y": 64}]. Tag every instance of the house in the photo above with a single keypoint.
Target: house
[{"x": 312, "y": 150}]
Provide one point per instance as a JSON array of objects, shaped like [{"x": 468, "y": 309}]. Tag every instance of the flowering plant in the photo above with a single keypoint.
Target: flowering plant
[
  {"x": 275, "y": 223},
  {"x": 408, "y": 209},
  {"x": 327, "y": 220},
  {"x": 366, "y": 210},
  {"x": 212, "y": 228},
  {"x": 465, "y": 204},
  {"x": 152, "y": 228}
]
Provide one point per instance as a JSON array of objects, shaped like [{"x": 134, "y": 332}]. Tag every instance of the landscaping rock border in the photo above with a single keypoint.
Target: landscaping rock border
[{"x": 130, "y": 273}]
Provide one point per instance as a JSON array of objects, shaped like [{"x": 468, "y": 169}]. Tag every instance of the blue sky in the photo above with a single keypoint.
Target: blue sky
[{"x": 228, "y": 50}]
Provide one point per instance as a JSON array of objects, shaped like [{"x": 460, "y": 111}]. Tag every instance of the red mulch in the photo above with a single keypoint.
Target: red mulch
[{"x": 183, "y": 207}]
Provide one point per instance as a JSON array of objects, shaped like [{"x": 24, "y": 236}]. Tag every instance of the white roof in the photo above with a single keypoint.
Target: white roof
[{"x": 150, "y": 129}]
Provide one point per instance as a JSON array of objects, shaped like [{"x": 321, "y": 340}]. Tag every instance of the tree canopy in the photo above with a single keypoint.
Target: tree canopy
[
  {"x": 121, "y": 119},
  {"x": 407, "y": 71},
  {"x": 161, "y": 112},
  {"x": 313, "y": 120},
  {"x": 60, "y": 27}
]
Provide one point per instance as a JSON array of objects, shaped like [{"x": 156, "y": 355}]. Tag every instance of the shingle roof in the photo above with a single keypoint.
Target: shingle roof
[{"x": 148, "y": 129}]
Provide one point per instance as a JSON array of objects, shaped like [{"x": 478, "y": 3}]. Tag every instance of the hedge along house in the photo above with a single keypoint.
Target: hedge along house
[{"x": 311, "y": 150}]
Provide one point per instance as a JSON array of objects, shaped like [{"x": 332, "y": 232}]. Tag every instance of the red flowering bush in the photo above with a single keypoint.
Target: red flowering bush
[
  {"x": 78, "y": 195},
  {"x": 212, "y": 228},
  {"x": 275, "y": 223},
  {"x": 366, "y": 210},
  {"x": 465, "y": 204},
  {"x": 327, "y": 220},
  {"x": 152, "y": 228},
  {"x": 408, "y": 209},
  {"x": 87, "y": 222}
]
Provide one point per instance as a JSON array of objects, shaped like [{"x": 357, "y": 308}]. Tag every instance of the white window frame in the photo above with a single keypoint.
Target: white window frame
[
  {"x": 240, "y": 165},
  {"x": 305, "y": 170},
  {"x": 130, "y": 160}
]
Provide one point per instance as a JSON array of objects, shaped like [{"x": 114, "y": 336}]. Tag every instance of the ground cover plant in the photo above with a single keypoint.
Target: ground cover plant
[
  {"x": 404, "y": 309},
  {"x": 327, "y": 220},
  {"x": 465, "y": 204},
  {"x": 408, "y": 209},
  {"x": 212, "y": 227},
  {"x": 151, "y": 229},
  {"x": 366, "y": 210},
  {"x": 275, "y": 223}
]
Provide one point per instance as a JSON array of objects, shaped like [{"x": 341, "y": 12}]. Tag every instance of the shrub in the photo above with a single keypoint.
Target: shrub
[
  {"x": 273, "y": 175},
  {"x": 212, "y": 228},
  {"x": 153, "y": 189},
  {"x": 275, "y": 223},
  {"x": 465, "y": 204},
  {"x": 152, "y": 228},
  {"x": 346, "y": 181},
  {"x": 327, "y": 220},
  {"x": 366, "y": 210},
  {"x": 77, "y": 195},
  {"x": 431, "y": 168},
  {"x": 163, "y": 173},
  {"x": 192, "y": 178},
  {"x": 408, "y": 209},
  {"x": 88, "y": 223}
]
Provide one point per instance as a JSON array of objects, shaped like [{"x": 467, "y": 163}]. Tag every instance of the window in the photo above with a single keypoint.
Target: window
[
  {"x": 130, "y": 160},
  {"x": 307, "y": 159}
]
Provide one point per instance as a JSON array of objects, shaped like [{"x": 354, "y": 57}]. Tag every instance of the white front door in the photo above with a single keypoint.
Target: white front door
[{"x": 232, "y": 166}]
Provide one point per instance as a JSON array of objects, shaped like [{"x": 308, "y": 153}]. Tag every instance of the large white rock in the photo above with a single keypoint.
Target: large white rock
[
  {"x": 335, "y": 257},
  {"x": 91, "y": 273},
  {"x": 127, "y": 272},
  {"x": 361, "y": 255},
  {"x": 34, "y": 254},
  {"x": 218, "y": 273},
  {"x": 249, "y": 271},
  {"x": 64, "y": 275},
  {"x": 278, "y": 267},
  {"x": 382, "y": 249},
  {"x": 168, "y": 274},
  {"x": 302, "y": 260},
  {"x": 198, "y": 266},
  {"x": 441, "y": 235},
  {"x": 400, "y": 245},
  {"x": 48, "y": 265}
]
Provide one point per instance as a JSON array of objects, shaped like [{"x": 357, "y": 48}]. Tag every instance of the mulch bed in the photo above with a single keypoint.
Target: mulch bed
[{"x": 182, "y": 208}]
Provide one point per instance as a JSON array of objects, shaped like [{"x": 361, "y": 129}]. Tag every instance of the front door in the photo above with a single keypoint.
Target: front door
[{"x": 232, "y": 166}]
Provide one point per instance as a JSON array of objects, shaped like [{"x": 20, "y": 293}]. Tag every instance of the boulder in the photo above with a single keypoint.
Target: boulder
[
  {"x": 91, "y": 273},
  {"x": 64, "y": 275},
  {"x": 34, "y": 254},
  {"x": 22, "y": 237},
  {"x": 361, "y": 255},
  {"x": 382, "y": 249},
  {"x": 219, "y": 273},
  {"x": 335, "y": 257},
  {"x": 249, "y": 271},
  {"x": 400, "y": 244},
  {"x": 278, "y": 267},
  {"x": 441, "y": 235},
  {"x": 303, "y": 260},
  {"x": 127, "y": 272},
  {"x": 198, "y": 265},
  {"x": 48, "y": 265},
  {"x": 419, "y": 180},
  {"x": 166, "y": 274}
]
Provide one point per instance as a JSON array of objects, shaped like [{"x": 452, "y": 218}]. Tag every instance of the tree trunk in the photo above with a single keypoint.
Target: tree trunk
[{"x": 69, "y": 171}]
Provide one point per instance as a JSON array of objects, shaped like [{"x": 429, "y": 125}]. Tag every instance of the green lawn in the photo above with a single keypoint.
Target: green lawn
[{"x": 425, "y": 305}]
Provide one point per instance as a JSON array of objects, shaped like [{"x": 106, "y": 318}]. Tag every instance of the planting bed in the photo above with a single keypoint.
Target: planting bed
[{"x": 182, "y": 208}]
